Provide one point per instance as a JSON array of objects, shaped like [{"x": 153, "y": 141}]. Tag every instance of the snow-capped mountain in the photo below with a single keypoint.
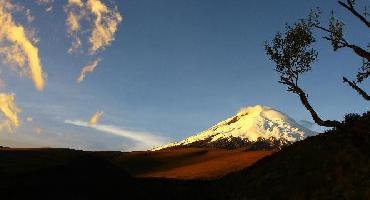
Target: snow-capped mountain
[{"x": 256, "y": 127}]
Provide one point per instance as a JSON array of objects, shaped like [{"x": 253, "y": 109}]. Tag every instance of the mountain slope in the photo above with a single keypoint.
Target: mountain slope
[
  {"x": 251, "y": 125},
  {"x": 188, "y": 163}
]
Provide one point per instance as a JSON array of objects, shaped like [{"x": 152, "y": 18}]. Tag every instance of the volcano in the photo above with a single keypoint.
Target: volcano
[{"x": 256, "y": 128}]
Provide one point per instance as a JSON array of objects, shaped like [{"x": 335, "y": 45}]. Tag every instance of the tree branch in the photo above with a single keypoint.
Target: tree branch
[
  {"x": 303, "y": 97},
  {"x": 360, "y": 51},
  {"x": 350, "y": 8},
  {"x": 360, "y": 91}
]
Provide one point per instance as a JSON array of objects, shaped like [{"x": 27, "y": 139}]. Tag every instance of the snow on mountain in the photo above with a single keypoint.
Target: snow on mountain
[{"x": 250, "y": 124}]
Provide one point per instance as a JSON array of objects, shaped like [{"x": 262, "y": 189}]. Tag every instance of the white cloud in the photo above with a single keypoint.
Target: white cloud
[{"x": 143, "y": 140}]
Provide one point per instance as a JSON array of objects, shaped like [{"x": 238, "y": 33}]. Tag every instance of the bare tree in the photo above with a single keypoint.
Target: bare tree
[{"x": 293, "y": 55}]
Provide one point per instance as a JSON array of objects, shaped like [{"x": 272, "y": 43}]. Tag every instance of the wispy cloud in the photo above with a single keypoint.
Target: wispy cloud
[
  {"x": 88, "y": 69},
  {"x": 143, "y": 140},
  {"x": 306, "y": 124},
  {"x": 102, "y": 19},
  {"x": 29, "y": 119},
  {"x": 17, "y": 46},
  {"x": 47, "y": 3},
  {"x": 9, "y": 111},
  {"x": 95, "y": 118}
]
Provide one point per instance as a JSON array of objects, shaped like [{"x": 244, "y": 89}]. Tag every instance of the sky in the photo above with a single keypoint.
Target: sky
[{"x": 133, "y": 74}]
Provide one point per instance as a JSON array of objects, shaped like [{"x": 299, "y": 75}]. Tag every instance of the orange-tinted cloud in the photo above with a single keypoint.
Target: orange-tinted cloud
[
  {"x": 103, "y": 21},
  {"x": 75, "y": 2},
  {"x": 95, "y": 118},
  {"x": 88, "y": 69},
  {"x": 105, "y": 25},
  {"x": 9, "y": 111},
  {"x": 16, "y": 46}
]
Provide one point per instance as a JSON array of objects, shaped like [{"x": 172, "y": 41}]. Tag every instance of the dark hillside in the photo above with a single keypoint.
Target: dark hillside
[{"x": 333, "y": 165}]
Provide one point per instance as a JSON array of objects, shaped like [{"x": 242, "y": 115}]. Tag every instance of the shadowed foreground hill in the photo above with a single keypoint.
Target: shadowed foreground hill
[
  {"x": 59, "y": 174},
  {"x": 72, "y": 174},
  {"x": 333, "y": 165}
]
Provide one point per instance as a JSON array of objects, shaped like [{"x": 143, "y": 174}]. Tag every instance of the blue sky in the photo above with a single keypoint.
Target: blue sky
[{"x": 174, "y": 69}]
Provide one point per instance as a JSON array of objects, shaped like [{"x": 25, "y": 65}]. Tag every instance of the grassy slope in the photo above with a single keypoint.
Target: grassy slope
[{"x": 188, "y": 163}]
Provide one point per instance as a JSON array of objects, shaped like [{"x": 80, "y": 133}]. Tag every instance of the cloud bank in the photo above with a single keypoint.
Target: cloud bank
[
  {"x": 17, "y": 48},
  {"x": 143, "y": 140},
  {"x": 88, "y": 69},
  {"x": 103, "y": 22}
]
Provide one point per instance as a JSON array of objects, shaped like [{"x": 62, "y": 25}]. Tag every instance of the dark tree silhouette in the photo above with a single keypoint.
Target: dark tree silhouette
[
  {"x": 293, "y": 56},
  {"x": 334, "y": 34}
]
